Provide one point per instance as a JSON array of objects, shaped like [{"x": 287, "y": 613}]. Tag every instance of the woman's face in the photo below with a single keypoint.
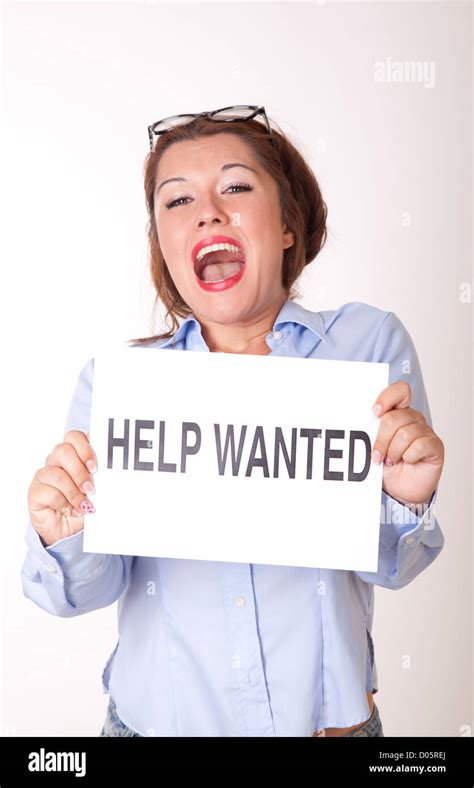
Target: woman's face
[{"x": 239, "y": 203}]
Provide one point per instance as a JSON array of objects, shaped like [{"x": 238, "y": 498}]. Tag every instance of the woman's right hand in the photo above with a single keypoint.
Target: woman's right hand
[{"x": 61, "y": 488}]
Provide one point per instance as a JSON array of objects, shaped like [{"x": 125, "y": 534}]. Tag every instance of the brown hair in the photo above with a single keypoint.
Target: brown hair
[{"x": 303, "y": 209}]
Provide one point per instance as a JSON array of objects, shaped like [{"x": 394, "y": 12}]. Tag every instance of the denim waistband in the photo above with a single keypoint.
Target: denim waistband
[{"x": 113, "y": 725}]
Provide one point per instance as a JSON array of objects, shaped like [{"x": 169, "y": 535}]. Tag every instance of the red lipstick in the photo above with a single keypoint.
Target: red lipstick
[
  {"x": 214, "y": 287},
  {"x": 213, "y": 239}
]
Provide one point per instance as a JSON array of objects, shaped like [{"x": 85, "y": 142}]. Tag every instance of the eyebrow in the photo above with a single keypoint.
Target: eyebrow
[{"x": 225, "y": 167}]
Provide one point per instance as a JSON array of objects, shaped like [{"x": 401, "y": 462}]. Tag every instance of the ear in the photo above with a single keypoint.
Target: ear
[{"x": 288, "y": 238}]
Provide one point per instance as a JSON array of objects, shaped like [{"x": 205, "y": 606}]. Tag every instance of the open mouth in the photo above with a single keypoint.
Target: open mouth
[{"x": 218, "y": 262}]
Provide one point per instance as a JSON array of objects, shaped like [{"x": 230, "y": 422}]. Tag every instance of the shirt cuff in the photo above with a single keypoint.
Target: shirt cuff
[
  {"x": 65, "y": 557},
  {"x": 401, "y": 524}
]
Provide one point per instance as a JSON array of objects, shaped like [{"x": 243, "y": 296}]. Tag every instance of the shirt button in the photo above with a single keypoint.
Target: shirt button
[
  {"x": 410, "y": 540},
  {"x": 240, "y": 601},
  {"x": 277, "y": 335},
  {"x": 50, "y": 567}
]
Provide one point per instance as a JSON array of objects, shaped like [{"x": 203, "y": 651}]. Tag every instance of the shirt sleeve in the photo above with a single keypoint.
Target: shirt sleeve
[
  {"x": 61, "y": 578},
  {"x": 408, "y": 541}
]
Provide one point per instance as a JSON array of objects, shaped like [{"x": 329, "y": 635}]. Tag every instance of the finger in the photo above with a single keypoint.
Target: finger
[
  {"x": 43, "y": 496},
  {"x": 65, "y": 455},
  {"x": 80, "y": 441},
  {"x": 402, "y": 441},
  {"x": 390, "y": 422},
  {"x": 57, "y": 476},
  {"x": 429, "y": 448},
  {"x": 396, "y": 395}
]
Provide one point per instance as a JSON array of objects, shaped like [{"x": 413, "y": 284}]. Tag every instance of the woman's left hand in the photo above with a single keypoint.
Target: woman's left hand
[{"x": 413, "y": 454}]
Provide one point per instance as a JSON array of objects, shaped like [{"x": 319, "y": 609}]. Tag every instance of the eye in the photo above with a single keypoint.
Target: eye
[
  {"x": 175, "y": 202},
  {"x": 243, "y": 186}
]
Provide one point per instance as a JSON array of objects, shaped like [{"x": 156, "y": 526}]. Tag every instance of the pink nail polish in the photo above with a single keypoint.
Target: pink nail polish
[
  {"x": 88, "y": 488},
  {"x": 91, "y": 466},
  {"x": 388, "y": 461},
  {"x": 376, "y": 456},
  {"x": 87, "y": 506}
]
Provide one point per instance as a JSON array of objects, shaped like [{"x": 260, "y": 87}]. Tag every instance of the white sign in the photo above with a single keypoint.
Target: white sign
[{"x": 230, "y": 457}]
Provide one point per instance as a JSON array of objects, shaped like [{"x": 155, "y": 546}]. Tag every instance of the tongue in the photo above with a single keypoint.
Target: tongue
[
  {"x": 217, "y": 271},
  {"x": 221, "y": 265}
]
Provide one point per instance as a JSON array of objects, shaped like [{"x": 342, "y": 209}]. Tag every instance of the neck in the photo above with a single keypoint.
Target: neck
[{"x": 243, "y": 337}]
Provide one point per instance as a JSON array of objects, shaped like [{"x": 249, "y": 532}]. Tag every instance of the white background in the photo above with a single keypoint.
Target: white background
[{"x": 81, "y": 83}]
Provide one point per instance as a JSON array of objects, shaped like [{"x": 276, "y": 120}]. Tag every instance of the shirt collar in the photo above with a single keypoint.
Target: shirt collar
[{"x": 291, "y": 312}]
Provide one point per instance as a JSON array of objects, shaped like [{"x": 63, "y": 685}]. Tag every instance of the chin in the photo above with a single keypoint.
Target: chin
[
  {"x": 224, "y": 313},
  {"x": 221, "y": 307}
]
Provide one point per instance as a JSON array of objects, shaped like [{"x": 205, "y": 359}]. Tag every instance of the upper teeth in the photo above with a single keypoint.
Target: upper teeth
[{"x": 215, "y": 248}]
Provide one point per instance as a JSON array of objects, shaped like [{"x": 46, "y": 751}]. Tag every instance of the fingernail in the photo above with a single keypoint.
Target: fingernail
[
  {"x": 88, "y": 488},
  {"x": 77, "y": 513},
  {"x": 388, "y": 461},
  {"x": 377, "y": 409},
  {"x": 91, "y": 466},
  {"x": 87, "y": 506},
  {"x": 376, "y": 456}
]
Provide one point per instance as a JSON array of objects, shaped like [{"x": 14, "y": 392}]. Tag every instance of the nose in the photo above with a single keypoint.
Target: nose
[
  {"x": 211, "y": 214},
  {"x": 204, "y": 221}
]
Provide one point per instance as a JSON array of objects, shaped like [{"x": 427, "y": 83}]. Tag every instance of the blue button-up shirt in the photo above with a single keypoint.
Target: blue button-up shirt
[{"x": 208, "y": 648}]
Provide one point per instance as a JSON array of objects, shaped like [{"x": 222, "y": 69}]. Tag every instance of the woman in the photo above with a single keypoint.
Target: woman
[{"x": 229, "y": 649}]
